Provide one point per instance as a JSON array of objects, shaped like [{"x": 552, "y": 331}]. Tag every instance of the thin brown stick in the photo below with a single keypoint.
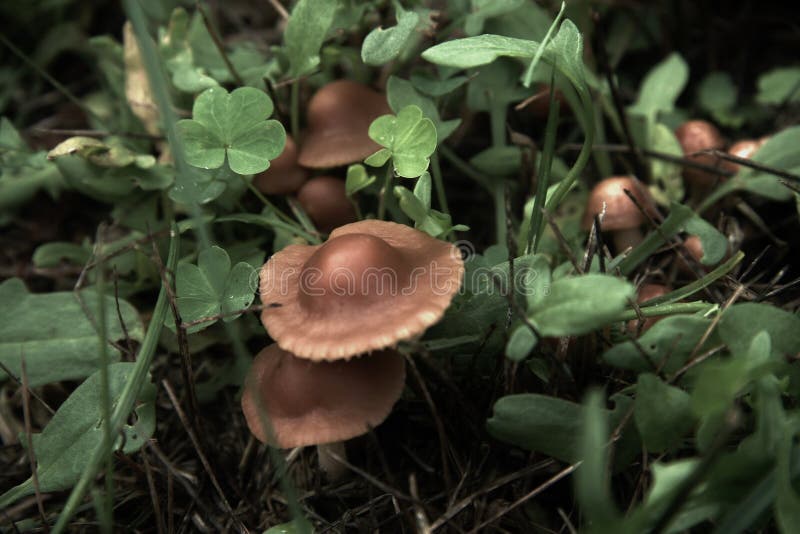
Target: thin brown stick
[
  {"x": 153, "y": 493},
  {"x": 218, "y": 43},
  {"x": 32, "y": 393},
  {"x": 26, "y": 412},
  {"x": 201, "y": 455},
  {"x": 280, "y": 9},
  {"x": 745, "y": 162}
]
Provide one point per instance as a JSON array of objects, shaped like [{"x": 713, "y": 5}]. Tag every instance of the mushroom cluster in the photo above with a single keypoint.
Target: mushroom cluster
[
  {"x": 336, "y": 311},
  {"x": 339, "y": 115}
]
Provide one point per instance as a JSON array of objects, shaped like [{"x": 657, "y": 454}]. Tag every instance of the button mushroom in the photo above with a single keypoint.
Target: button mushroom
[
  {"x": 371, "y": 285},
  {"x": 744, "y": 149},
  {"x": 622, "y": 217},
  {"x": 339, "y": 115},
  {"x": 324, "y": 200},
  {"x": 284, "y": 175},
  {"x": 320, "y": 403},
  {"x": 695, "y": 136}
]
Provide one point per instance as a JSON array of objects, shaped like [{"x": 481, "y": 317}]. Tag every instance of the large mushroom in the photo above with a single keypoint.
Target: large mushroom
[
  {"x": 325, "y": 200},
  {"x": 320, "y": 403},
  {"x": 339, "y": 115},
  {"x": 622, "y": 217},
  {"x": 371, "y": 285},
  {"x": 284, "y": 175}
]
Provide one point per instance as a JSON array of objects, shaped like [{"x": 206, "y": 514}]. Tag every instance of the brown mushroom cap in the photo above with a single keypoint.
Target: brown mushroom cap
[
  {"x": 621, "y": 212},
  {"x": 743, "y": 149},
  {"x": 284, "y": 175},
  {"x": 645, "y": 293},
  {"x": 695, "y": 136},
  {"x": 324, "y": 200},
  {"x": 311, "y": 403},
  {"x": 339, "y": 115},
  {"x": 372, "y": 284}
]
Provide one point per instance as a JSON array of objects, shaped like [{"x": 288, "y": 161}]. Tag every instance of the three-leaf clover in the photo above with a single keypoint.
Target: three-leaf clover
[
  {"x": 409, "y": 139},
  {"x": 232, "y": 125},
  {"x": 211, "y": 288}
]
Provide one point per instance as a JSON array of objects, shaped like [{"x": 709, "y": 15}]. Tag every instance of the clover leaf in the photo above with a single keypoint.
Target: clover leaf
[
  {"x": 232, "y": 125},
  {"x": 409, "y": 138},
  {"x": 212, "y": 287},
  {"x": 383, "y": 45}
]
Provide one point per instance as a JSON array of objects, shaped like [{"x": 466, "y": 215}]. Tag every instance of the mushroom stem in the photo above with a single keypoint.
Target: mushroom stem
[
  {"x": 625, "y": 239},
  {"x": 334, "y": 469}
]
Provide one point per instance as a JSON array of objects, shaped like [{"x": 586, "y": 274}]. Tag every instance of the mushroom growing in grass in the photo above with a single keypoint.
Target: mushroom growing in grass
[
  {"x": 325, "y": 200},
  {"x": 371, "y": 285},
  {"x": 339, "y": 115},
  {"x": 744, "y": 149},
  {"x": 320, "y": 403},
  {"x": 696, "y": 136},
  {"x": 284, "y": 175},
  {"x": 622, "y": 217},
  {"x": 647, "y": 292}
]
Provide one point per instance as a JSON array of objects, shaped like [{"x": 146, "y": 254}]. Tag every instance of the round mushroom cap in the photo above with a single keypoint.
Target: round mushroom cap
[
  {"x": 695, "y": 136},
  {"x": 339, "y": 115},
  {"x": 324, "y": 200},
  {"x": 371, "y": 285},
  {"x": 621, "y": 212},
  {"x": 284, "y": 175},
  {"x": 311, "y": 403}
]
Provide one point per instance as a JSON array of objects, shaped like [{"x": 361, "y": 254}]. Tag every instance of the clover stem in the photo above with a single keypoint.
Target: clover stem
[
  {"x": 387, "y": 184},
  {"x": 500, "y": 212},
  {"x": 288, "y": 220},
  {"x": 436, "y": 171},
  {"x": 295, "y": 111}
]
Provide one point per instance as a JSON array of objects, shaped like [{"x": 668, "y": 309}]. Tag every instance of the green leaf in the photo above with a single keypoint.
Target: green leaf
[
  {"x": 54, "y": 334},
  {"x": 232, "y": 125},
  {"x": 306, "y": 31},
  {"x": 717, "y": 92},
  {"x": 673, "y": 338},
  {"x": 211, "y": 288},
  {"x": 667, "y": 176},
  {"x": 496, "y": 85},
  {"x": 498, "y": 160},
  {"x": 715, "y": 244},
  {"x": 661, "y": 412},
  {"x": 51, "y": 254},
  {"x": 381, "y": 46},
  {"x": 77, "y": 427},
  {"x": 592, "y": 487},
  {"x": 427, "y": 84},
  {"x": 662, "y": 86},
  {"x": 297, "y": 526},
  {"x": 481, "y": 10},
  {"x": 580, "y": 304},
  {"x": 409, "y": 138},
  {"x": 741, "y": 323},
  {"x": 357, "y": 179},
  {"x": 778, "y": 86},
  {"x": 401, "y": 93},
  {"x": 423, "y": 189},
  {"x": 787, "y": 500},
  {"x": 520, "y": 344}
]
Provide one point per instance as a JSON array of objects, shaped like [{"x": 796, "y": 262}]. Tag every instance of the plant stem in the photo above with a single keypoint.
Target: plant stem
[
  {"x": 535, "y": 229},
  {"x": 463, "y": 166},
  {"x": 295, "y": 110},
  {"x": 666, "y": 309},
  {"x": 387, "y": 184},
  {"x": 436, "y": 171},
  {"x": 501, "y": 231}
]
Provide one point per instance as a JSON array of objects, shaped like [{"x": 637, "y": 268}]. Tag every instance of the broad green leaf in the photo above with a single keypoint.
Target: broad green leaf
[
  {"x": 580, "y": 304},
  {"x": 357, "y": 179},
  {"x": 717, "y": 92},
  {"x": 410, "y": 204},
  {"x": 212, "y": 287},
  {"x": 719, "y": 382},
  {"x": 51, "y": 254},
  {"x": 496, "y": 85},
  {"x": 498, "y": 160},
  {"x": 409, "y": 138},
  {"x": 381, "y": 46},
  {"x": 423, "y": 189},
  {"x": 662, "y": 86},
  {"x": 780, "y": 151},
  {"x": 592, "y": 487},
  {"x": 779, "y": 85},
  {"x": 529, "y": 21},
  {"x": 741, "y": 323},
  {"x": 715, "y": 244},
  {"x": 401, "y": 93},
  {"x": 306, "y": 31},
  {"x": 481, "y": 10},
  {"x": 520, "y": 344},
  {"x": 54, "y": 335},
  {"x": 234, "y": 126},
  {"x": 661, "y": 412},
  {"x": 429, "y": 85},
  {"x": 77, "y": 427},
  {"x": 673, "y": 338}
]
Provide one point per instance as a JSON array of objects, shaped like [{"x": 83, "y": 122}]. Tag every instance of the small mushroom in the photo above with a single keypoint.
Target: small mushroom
[
  {"x": 320, "y": 403},
  {"x": 744, "y": 149},
  {"x": 647, "y": 292},
  {"x": 695, "y": 136},
  {"x": 371, "y": 285},
  {"x": 339, "y": 115},
  {"x": 284, "y": 175},
  {"x": 324, "y": 200},
  {"x": 622, "y": 217}
]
